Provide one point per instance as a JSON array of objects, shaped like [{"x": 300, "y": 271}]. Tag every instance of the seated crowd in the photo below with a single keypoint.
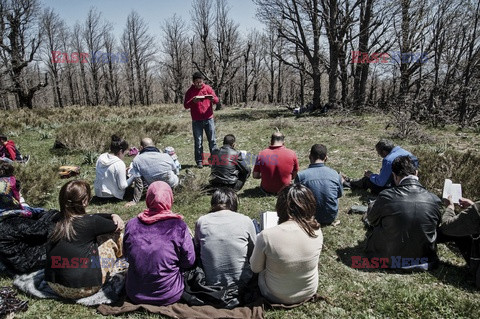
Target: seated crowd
[{"x": 226, "y": 251}]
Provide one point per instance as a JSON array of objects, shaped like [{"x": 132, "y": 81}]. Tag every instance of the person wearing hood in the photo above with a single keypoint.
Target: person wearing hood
[
  {"x": 111, "y": 172},
  {"x": 158, "y": 247},
  {"x": 9, "y": 151}
]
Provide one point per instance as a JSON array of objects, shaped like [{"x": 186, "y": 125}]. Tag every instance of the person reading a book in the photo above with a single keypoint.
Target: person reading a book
[
  {"x": 383, "y": 180},
  {"x": 404, "y": 221},
  {"x": 199, "y": 99},
  {"x": 224, "y": 241},
  {"x": 464, "y": 229},
  {"x": 286, "y": 256}
]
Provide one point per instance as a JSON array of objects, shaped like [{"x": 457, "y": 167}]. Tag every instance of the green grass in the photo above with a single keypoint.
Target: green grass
[{"x": 348, "y": 292}]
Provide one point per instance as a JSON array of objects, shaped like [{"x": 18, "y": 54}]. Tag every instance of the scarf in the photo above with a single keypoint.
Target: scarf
[{"x": 159, "y": 203}]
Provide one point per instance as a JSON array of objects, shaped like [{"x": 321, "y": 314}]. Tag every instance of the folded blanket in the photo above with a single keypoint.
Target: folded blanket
[{"x": 34, "y": 284}]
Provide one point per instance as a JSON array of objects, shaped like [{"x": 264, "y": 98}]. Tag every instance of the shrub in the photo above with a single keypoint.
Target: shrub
[{"x": 459, "y": 167}]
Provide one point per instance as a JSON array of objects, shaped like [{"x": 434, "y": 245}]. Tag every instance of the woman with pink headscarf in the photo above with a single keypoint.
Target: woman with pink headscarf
[{"x": 158, "y": 248}]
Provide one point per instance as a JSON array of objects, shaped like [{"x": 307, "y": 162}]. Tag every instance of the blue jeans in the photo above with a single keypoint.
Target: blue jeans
[{"x": 198, "y": 127}]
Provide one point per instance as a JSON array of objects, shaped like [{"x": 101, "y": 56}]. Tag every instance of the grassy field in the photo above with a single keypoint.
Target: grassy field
[{"x": 445, "y": 152}]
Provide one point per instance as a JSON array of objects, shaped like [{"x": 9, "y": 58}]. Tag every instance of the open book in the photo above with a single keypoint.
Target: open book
[
  {"x": 268, "y": 220},
  {"x": 202, "y": 97},
  {"x": 451, "y": 189}
]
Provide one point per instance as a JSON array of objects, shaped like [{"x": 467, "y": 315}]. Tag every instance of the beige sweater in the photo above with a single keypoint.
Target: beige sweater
[{"x": 287, "y": 260}]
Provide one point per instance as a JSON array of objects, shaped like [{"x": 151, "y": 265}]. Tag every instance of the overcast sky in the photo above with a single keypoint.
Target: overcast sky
[{"x": 154, "y": 12}]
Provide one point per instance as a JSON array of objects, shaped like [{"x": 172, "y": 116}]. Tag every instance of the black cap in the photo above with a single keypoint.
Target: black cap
[{"x": 197, "y": 75}]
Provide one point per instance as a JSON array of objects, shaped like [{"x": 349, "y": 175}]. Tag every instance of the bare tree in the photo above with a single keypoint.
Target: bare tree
[
  {"x": 175, "y": 48},
  {"x": 139, "y": 45},
  {"x": 299, "y": 23},
  {"x": 53, "y": 26},
  {"x": 219, "y": 43},
  {"x": 20, "y": 38}
]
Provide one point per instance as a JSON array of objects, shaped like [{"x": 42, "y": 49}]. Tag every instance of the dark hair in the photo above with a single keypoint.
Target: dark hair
[
  {"x": 384, "y": 145},
  {"x": 197, "y": 75},
  {"x": 229, "y": 139},
  {"x": 3, "y": 138},
  {"x": 298, "y": 203},
  {"x": 224, "y": 198},
  {"x": 277, "y": 137},
  {"x": 118, "y": 144},
  {"x": 6, "y": 169},
  {"x": 318, "y": 151},
  {"x": 73, "y": 199},
  {"x": 403, "y": 166}
]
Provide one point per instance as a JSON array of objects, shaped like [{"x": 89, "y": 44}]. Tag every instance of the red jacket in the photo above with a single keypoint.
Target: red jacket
[
  {"x": 201, "y": 110},
  {"x": 9, "y": 150}
]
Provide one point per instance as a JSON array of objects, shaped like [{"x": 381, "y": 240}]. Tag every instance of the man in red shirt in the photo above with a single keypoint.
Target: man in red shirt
[
  {"x": 199, "y": 100},
  {"x": 277, "y": 165}
]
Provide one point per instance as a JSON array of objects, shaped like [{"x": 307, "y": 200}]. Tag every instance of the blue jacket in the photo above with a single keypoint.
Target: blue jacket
[
  {"x": 385, "y": 177},
  {"x": 326, "y": 185}
]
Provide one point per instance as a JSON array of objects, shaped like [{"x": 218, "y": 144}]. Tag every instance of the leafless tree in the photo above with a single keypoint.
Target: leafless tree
[{"x": 20, "y": 38}]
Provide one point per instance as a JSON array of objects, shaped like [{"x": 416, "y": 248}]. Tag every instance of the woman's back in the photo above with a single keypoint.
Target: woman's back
[
  {"x": 288, "y": 260},
  {"x": 156, "y": 254}
]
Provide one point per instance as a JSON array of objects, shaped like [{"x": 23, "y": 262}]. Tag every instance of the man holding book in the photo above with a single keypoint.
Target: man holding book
[{"x": 199, "y": 100}]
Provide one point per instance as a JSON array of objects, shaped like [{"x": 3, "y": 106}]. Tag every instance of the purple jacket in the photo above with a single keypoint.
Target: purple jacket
[{"x": 157, "y": 254}]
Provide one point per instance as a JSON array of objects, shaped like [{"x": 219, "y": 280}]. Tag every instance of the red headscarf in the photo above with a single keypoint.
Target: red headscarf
[{"x": 159, "y": 202}]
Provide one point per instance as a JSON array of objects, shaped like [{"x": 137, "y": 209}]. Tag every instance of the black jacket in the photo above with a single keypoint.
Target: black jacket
[
  {"x": 404, "y": 220},
  {"x": 228, "y": 166}
]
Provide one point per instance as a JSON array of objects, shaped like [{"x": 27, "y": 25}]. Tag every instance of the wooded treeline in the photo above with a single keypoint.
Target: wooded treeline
[{"x": 419, "y": 58}]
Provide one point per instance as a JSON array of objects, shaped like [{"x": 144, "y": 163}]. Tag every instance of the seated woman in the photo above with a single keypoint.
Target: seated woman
[
  {"x": 74, "y": 257},
  {"x": 9, "y": 188},
  {"x": 286, "y": 256},
  {"x": 110, "y": 179},
  {"x": 224, "y": 240},
  {"x": 158, "y": 247}
]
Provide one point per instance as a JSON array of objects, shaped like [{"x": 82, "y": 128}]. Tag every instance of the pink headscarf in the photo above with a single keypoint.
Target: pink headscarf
[{"x": 159, "y": 202}]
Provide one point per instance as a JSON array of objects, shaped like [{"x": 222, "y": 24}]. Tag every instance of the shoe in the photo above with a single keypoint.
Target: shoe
[
  {"x": 25, "y": 159},
  {"x": 345, "y": 181},
  {"x": 199, "y": 165}
]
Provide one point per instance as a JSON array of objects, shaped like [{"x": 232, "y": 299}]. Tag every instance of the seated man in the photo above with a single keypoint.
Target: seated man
[
  {"x": 325, "y": 184},
  {"x": 378, "y": 182},
  {"x": 464, "y": 228},
  {"x": 404, "y": 220},
  {"x": 9, "y": 152},
  {"x": 228, "y": 167},
  {"x": 276, "y": 165},
  {"x": 149, "y": 166}
]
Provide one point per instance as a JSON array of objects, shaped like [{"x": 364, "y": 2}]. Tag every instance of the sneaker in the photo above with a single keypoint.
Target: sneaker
[
  {"x": 199, "y": 165},
  {"x": 345, "y": 181},
  {"x": 25, "y": 159}
]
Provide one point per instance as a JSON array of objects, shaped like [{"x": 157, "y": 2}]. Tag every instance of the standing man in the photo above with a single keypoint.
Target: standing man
[
  {"x": 200, "y": 98},
  {"x": 325, "y": 184},
  {"x": 276, "y": 166}
]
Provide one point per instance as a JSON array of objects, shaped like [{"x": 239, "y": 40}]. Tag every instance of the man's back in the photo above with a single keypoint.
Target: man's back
[
  {"x": 276, "y": 165},
  {"x": 326, "y": 185},
  {"x": 405, "y": 219},
  {"x": 155, "y": 166}
]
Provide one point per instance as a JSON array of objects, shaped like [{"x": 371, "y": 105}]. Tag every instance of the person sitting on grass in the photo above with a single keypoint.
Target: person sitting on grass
[
  {"x": 77, "y": 255},
  {"x": 404, "y": 221},
  {"x": 224, "y": 241},
  {"x": 287, "y": 255},
  {"x": 9, "y": 151},
  {"x": 378, "y": 182},
  {"x": 159, "y": 248},
  {"x": 228, "y": 166},
  {"x": 10, "y": 197},
  {"x": 464, "y": 229},
  {"x": 111, "y": 172}
]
